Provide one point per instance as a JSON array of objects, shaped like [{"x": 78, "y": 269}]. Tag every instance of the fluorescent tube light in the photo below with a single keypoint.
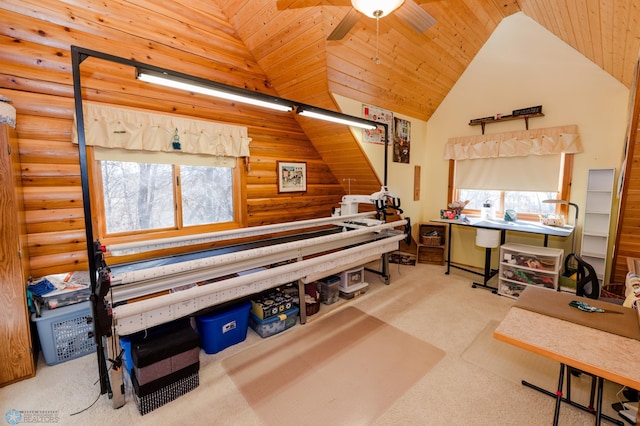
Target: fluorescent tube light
[
  {"x": 211, "y": 88},
  {"x": 335, "y": 117}
]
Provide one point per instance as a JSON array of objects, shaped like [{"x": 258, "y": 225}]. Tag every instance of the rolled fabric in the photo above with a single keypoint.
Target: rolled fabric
[{"x": 7, "y": 112}]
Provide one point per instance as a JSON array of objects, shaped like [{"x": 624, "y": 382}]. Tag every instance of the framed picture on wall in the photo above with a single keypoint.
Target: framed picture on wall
[
  {"x": 401, "y": 140},
  {"x": 381, "y": 116},
  {"x": 292, "y": 177}
]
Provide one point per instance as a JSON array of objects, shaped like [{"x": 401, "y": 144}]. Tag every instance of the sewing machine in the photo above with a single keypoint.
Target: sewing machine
[{"x": 137, "y": 296}]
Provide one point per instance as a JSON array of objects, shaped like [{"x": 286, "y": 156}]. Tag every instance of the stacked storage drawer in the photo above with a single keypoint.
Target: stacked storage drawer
[{"x": 164, "y": 367}]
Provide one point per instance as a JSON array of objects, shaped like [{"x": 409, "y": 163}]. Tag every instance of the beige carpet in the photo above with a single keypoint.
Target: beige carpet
[
  {"x": 306, "y": 376},
  {"x": 510, "y": 362},
  {"x": 515, "y": 364}
]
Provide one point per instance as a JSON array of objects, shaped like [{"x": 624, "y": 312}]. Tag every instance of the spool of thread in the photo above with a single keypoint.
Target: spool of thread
[{"x": 487, "y": 238}]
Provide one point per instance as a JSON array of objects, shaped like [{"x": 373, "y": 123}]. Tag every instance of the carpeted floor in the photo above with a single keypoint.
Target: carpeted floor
[
  {"x": 302, "y": 365},
  {"x": 515, "y": 364},
  {"x": 467, "y": 386}
]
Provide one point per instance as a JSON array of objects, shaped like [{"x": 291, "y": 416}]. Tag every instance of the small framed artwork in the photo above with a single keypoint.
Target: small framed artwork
[{"x": 292, "y": 177}]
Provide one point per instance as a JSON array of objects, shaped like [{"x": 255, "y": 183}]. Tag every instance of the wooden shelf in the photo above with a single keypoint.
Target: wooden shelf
[
  {"x": 431, "y": 253},
  {"x": 524, "y": 117}
]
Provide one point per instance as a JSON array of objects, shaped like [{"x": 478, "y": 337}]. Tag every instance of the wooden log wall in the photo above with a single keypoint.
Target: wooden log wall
[
  {"x": 35, "y": 41},
  {"x": 628, "y": 232}
]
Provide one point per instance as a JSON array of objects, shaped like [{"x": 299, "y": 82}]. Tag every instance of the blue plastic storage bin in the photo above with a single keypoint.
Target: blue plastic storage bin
[
  {"x": 65, "y": 333},
  {"x": 275, "y": 324},
  {"x": 223, "y": 328}
]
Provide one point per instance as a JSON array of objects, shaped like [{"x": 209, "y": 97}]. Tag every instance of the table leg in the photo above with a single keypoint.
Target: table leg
[
  {"x": 599, "y": 401},
  {"x": 556, "y": 414},
  {"x": 449, "y": 251},
  {"x": 488, "y": 273},
  {"x": 560, "y": 398}
]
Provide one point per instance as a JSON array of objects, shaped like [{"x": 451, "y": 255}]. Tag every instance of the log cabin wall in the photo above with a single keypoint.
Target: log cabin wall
[
  {"x": 628, "y": 230},
  {"x": 37, "y": 76}
]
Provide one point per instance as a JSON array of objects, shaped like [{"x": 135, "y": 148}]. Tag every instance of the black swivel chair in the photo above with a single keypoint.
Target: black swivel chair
[{"x": 587, "y": 285}]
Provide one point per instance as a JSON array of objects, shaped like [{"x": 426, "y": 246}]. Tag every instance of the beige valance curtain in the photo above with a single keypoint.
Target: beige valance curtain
[
  {"x": 547, "y": 141},
  {"x": 135, "y": 130}
]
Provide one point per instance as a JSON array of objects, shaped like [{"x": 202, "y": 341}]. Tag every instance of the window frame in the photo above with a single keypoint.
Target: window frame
[
  {"x": 564, "y": 191},
  {"x": 99, "y": 219}
]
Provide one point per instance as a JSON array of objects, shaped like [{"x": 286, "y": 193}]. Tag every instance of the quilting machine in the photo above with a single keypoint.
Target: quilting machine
[{"x": 137, "y": 296}]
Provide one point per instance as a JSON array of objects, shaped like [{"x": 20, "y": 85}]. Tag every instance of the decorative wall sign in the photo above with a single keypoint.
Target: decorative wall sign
[
  {"x": 380, "y": 115},
  {"x": 401, "y": 140},
  {"x": 530, "y": 110},
  {"x": 292, "y": 177}
]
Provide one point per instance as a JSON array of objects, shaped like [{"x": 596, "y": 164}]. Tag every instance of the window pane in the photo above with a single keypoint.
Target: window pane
[
  {"x": 207, "y": 194},
  {"x": 137, "y": 196},
  {"x": 520, "y": 201},
  {"x": 529, "y": 202},
  {"x": 478, "y": 197}
]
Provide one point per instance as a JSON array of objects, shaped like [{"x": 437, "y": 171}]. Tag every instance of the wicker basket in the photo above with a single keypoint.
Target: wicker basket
[
  {"x": 312, "y": 308},
  {"x": 613, "y": 291},
  {"x": 312, "y": 299},
  {"x": 430, "y": 240}
]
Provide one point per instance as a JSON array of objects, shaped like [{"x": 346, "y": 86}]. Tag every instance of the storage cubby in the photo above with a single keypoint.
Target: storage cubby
[
  {"x": 522, "y": 265},
  {"x": 431, "y": 243}
]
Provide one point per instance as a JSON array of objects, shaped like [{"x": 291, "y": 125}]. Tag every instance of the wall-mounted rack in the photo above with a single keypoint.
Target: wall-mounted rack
[{"x": 525, "y": 117}]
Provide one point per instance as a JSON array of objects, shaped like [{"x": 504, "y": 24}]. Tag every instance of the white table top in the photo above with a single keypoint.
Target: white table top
[{"x": 519, "y": 226}]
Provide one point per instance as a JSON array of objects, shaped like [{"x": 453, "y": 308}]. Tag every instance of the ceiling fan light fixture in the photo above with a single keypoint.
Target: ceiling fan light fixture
[{"x": 376, "y": 8}]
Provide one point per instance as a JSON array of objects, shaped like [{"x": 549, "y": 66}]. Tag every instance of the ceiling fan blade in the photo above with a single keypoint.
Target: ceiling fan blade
[
  {"x": 415, "y": 16},
  {"x": 345, "y": 25}
]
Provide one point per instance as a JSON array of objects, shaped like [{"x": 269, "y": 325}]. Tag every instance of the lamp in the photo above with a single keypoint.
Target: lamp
[
  {"x": 376, "y": 8},
  {"x": 210, "y": 88},
  {"x": 575, "y": 220},
  {"x": 336, "y": 117}
]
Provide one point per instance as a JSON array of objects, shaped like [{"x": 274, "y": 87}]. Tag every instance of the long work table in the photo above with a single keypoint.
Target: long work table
[
  {"x": 604, "y": 345},
  {"x": 503, "y": 226}
]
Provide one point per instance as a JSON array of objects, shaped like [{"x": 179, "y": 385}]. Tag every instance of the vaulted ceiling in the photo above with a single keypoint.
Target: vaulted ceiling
[{"x": 288, "y": 39}]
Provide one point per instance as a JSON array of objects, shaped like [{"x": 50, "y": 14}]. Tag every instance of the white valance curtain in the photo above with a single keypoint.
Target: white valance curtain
[
  {"x": 529, "y": 160},
  {"x": 135, "y": 130},
  {"x": 551, "y": 140}
]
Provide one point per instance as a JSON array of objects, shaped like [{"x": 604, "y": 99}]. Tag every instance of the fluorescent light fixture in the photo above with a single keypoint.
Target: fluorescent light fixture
[
  {"x": 336, "y": 117},
  {"x": 210, "y": 88},
  {"x": 376, "y": 8}
]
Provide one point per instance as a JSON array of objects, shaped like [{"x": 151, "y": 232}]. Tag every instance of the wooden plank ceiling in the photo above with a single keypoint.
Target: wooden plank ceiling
[{"x": 416, "y": 71}]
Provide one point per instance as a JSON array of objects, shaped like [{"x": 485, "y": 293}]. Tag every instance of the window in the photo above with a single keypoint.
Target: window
[
  {"x": 157, "y": 176},
  {"x": 149, "y": 195},
  {"x": 524, "y": 193},
  {"x": 207, "y": 195},
  {"x": 141, "y": 196},
  {"x": 514, "y": 170},
  {"x": 523, "y": 202},
  {"x": 137, "y": 196}
]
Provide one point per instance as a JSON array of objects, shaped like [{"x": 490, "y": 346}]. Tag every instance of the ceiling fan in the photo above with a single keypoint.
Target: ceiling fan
[{"x": 408, "y": 11}]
